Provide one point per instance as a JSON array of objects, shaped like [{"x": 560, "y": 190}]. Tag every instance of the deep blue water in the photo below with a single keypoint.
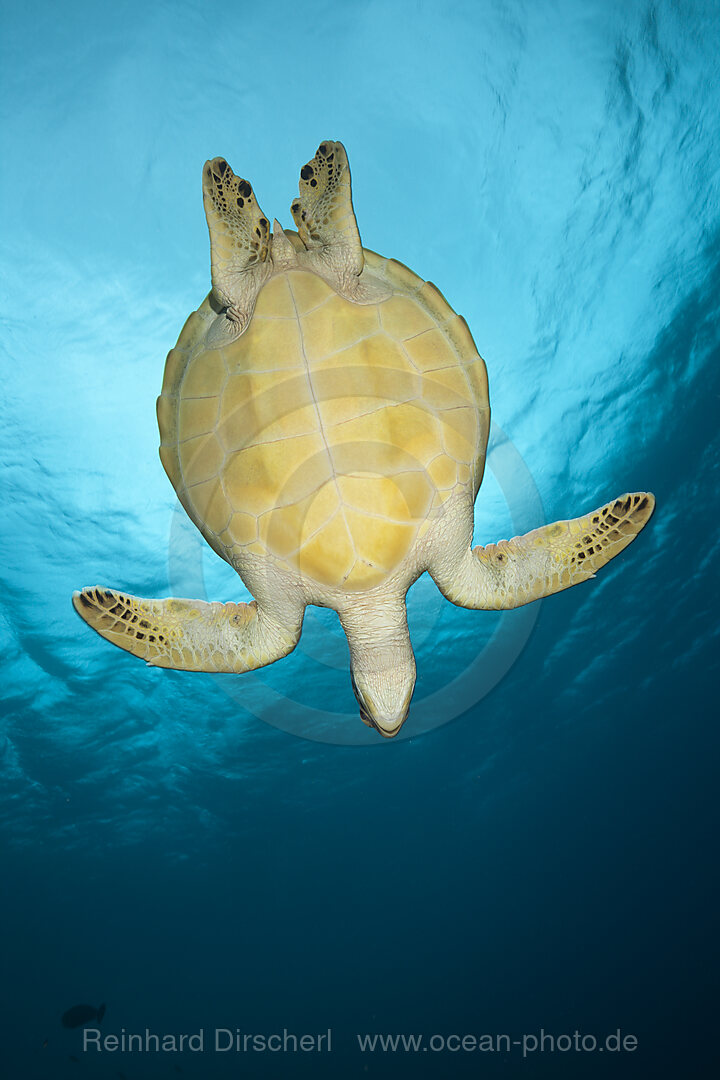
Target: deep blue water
[{"x": 540, "y": 850}]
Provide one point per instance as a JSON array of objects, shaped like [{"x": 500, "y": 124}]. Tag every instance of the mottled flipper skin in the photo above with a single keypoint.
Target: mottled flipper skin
[
  {"x": 326, "y": 225},
  {"x": 190, "y": 635},
  {"x": 239, "y": 245},
  {"x": 324, "y": 212},
  {"x": 547, "y": 560}
]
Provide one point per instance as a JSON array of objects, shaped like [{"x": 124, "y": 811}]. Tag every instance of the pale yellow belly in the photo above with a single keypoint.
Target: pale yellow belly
[{"x": 316, "y": 439}]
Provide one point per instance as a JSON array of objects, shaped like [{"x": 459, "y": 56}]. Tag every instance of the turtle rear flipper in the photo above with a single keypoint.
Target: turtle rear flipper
[
  {"x": 326, "y": 224},
  {"x": 239, "y": 247}
]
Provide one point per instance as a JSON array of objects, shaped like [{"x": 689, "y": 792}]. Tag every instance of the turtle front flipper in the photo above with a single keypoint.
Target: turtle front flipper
[
  {"x": 189, "y": 635},
  {"x": 326, "y": 225},
  {"x": 239, "y": 246},
  {"x": 546, "y": 560}
]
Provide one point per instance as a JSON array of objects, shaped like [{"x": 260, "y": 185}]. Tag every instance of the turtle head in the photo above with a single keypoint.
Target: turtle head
[
  {"x": 382, "y": 665},
  {"x": 384, "y": 697}
]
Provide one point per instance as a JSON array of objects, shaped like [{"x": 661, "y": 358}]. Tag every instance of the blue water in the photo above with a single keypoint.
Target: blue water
[{"x": 537, "y": 854}]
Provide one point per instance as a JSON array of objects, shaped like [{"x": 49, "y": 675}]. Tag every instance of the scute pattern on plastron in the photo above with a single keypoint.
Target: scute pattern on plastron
[{"x": 328, "y": 434}]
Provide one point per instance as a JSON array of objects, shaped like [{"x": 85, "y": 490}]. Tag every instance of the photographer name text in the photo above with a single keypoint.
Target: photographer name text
[{"x": 216, "y": 1040}]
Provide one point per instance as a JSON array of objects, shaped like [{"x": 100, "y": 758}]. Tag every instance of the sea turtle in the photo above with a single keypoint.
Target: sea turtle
[{"x": 324, "y": 419}]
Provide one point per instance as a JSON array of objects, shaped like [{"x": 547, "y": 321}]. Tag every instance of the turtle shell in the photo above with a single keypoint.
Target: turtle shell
[{"x": 330, "y": 434}]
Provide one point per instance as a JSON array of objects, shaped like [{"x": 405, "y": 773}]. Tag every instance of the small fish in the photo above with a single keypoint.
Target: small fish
[{"x": 81, "y": 1014}]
